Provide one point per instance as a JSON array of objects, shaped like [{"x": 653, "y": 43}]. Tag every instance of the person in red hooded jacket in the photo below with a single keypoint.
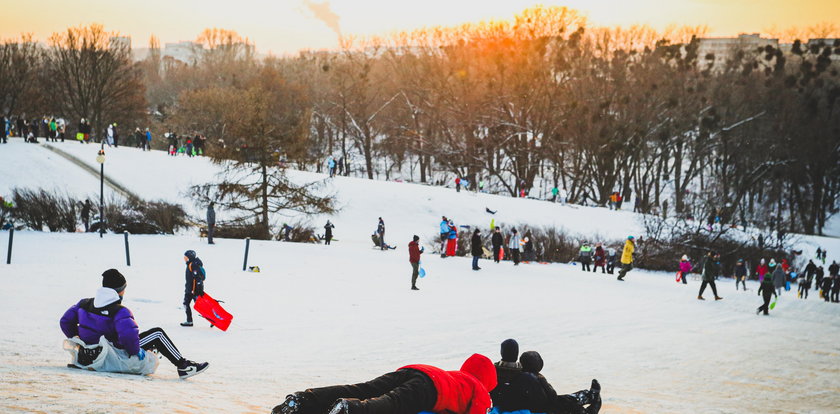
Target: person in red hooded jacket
[{"x": 408, "y": 390}]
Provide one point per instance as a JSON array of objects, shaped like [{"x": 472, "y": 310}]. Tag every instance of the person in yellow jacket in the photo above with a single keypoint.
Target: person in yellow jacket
[{"x": 627, "y": 257}]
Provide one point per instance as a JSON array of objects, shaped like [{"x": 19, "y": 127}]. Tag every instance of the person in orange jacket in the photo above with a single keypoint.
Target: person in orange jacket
[{"x": 408, "y": 390}]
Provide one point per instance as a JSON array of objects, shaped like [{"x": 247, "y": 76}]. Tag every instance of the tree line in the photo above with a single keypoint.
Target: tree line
[{"x": 542, "y": 101}]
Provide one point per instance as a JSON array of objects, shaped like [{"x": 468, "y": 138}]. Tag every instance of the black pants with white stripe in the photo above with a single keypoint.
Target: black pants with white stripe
[{"x": 157, "y": 339}]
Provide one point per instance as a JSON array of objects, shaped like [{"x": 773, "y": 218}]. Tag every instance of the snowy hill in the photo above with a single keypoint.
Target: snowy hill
[{"x": 318, "y": 315}]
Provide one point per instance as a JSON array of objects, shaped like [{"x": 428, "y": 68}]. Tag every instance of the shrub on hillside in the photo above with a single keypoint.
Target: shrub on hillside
[
  {"x": 144, "y": 217},
  {"x": 39, "y": 208},
  {"x": 300, "y": 233}
]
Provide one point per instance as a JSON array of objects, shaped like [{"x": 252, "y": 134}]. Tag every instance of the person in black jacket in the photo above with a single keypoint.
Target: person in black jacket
[
  {"x": 741, "y": 274},
  {"x": 531, "y": 391},
  {"x": 86, "y": 215},
  {"x": 476, "y": 248},
  {"x": 498, "y": 240},
  {"x": 768, "y": 290},
  {"x": 211, "y": 222},
  {"x": 194, "y": 286},
  {"x": 328, "y": 232}
]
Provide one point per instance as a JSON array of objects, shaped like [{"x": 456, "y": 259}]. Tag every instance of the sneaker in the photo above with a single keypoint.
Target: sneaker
[
  {"x": 700, "y": 298},
  {"x": 292, "y": 405},
  {"x": 190, "y": 368},
  {"x": 187, "y": 323}
]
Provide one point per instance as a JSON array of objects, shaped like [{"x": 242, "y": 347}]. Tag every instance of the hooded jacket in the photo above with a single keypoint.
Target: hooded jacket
[
  {"x": 475, "y": 246},
  {"x": 627, "y": 254},
  {"x": 466, "y": 391},
  {"x": 685, "y": 267},
  {"x": 414, "y": 252},
  {"x": 102, "y": 315},
  {"x": 778, "y": 277}
]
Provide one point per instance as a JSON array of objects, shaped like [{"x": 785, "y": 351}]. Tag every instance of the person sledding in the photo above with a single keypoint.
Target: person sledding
[
  {"x": 194, "y": 286},
  {"x": 377, "y": 242},
  {"x": 103, "y": 335},
  {"x": 408, "y": 390}
]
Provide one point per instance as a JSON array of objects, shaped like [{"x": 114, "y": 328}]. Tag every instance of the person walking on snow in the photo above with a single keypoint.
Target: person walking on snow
[
  {"x": 408, "y": 390},
  {"x": 804, "y": 282},
  {"x": 452, "y": 239},
  {"x": 497, "y": 240},
  {"x": 585, "y": 256},
  {"x": 444, "y": 235},
  {"x": 685, "y": 268},
  {"x": 711, "y": 269},
  {"x": 211, "y": 222},
  {"x": 457, "y": 184},
  {"x": 86, "y": 215},
  {"x": 331, "y": 166},
  {"x": 741, "y": 274},
  {"x": 600, "y": 259},
  {"x": 104, "y": 316},
  {"x": 414, "y": 252},
  {"x": 328, "y": 232},
  {"x": 627, "y": 257},
  {"x": 766, "y": 290},
  {"x": 513, "y": 246},
  {"x": 476, "y": 249},
  {"x": 762, "y": 269},
  {"x": 611, "y": 258},
  {"x": 194, "y": 285},
  {"x": 778, "y": 278}
]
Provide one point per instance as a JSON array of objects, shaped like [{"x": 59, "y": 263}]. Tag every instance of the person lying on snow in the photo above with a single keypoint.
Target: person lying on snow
[
  {"x": 529, "y": 390},
  {"x": 103, "y": 321},
  {"x": 409, "y": 390},
  {"x": 377, "y": 242}
]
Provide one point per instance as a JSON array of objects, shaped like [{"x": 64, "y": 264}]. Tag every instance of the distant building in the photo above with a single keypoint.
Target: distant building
[
  {"x": 716, "y": 51},
  {"x": 185, "y": 51}
]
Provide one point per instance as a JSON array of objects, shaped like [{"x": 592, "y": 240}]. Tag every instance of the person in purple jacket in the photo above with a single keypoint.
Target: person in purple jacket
[{"x": 104, "y": 315}]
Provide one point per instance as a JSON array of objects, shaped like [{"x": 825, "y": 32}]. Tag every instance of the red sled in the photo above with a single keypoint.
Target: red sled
[
  {"x": 210, "y": 309},
  {"x": 679, "y": 276}
]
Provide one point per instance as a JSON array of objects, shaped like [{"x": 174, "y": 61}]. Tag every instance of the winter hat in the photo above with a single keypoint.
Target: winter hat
[
  {"x": 685, "y": 258},
  {"x": 531, "y": 361},
  {"x": 630, "y": 237},
  {"x": 510, "y": 350},
  {"x": 415, "y": 238},
  {"x": 772, "y": 263},
  {"x": 113, "y": 279},
  {"x": 190, "y": 254}
]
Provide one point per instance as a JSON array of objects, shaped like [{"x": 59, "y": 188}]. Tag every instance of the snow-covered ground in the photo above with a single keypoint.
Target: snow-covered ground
[{"x": 319, "y": 315}]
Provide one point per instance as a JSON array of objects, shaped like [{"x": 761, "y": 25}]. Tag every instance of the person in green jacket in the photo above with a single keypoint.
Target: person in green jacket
[{"x": 711, "y": 269}]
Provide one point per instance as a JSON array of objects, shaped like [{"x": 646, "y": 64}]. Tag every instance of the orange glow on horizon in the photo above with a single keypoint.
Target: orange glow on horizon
[{"x": 288, "y": 26}]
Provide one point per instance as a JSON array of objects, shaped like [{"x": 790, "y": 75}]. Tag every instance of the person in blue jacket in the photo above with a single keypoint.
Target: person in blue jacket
[
  {"x": 444, "y": 235},
  {"x": 104, "y": 315},
  {"x": 194, "y": 286}
]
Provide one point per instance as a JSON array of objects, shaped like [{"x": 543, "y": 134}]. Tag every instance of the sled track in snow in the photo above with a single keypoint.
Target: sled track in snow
[{"x": 93, "y": 171}]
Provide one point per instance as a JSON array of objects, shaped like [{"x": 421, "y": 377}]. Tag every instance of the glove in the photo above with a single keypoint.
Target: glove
[
  {"x": 141, "y": 354},
  {"x": 199, "y": 290}
]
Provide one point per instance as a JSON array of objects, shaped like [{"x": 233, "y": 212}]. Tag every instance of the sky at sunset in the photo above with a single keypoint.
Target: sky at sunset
[{"x": 286, "y": 26}]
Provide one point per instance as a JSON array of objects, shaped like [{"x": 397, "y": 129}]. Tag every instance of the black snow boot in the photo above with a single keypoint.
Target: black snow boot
[{"x": 295, "y": 404}]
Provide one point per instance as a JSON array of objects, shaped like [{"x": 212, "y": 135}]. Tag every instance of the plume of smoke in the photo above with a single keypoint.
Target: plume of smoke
[{"x": 324, "y": 13}]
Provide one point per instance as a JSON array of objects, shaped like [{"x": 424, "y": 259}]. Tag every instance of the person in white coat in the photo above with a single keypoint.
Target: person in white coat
[{"x": 513, "y": 245}]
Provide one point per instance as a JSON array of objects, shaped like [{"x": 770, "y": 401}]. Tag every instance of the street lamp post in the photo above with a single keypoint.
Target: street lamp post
[{"x": 100, "y": 158}]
